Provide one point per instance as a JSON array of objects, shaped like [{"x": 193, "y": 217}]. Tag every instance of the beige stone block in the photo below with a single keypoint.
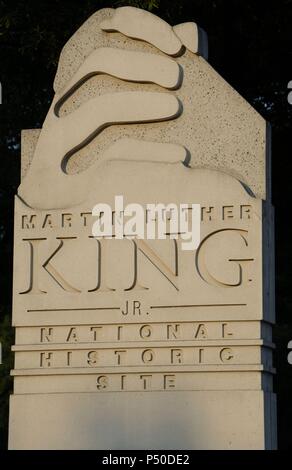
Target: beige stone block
[
  {"x": 138, "y": 343},
  {"x": 235, "y": 225},
  {"x": 155, "y": 330},
  {"x": 176, "y": 420},
  {"x": 163, "y": 379}
]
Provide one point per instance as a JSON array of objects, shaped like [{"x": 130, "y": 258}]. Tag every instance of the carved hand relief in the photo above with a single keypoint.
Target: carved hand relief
[
  {"x": 152, "y": 100},
  {"x": 62, "y": 136}
]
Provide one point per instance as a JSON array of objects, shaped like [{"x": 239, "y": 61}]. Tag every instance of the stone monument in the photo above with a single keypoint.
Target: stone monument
[{"x": 134, "y": 343}]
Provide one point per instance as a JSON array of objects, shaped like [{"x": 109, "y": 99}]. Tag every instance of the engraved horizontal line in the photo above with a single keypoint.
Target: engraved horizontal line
[
  {"x": 118, "y": 308},
  {"x": 32, "y": 320},
  {"x": 98, "y": 392},
  {"x": 165, "y": 344},
  {"x": 199, "y": 305},
  {"x": 71, "y": 309},
  {"x": 141, "y": 369},
  {"x": 152, "y": 322}
]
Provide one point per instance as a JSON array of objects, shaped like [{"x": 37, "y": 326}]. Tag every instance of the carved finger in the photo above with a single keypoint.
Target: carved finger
[
  {"x": 126, "y": 65},
  {"x": 143, "y": 25}
]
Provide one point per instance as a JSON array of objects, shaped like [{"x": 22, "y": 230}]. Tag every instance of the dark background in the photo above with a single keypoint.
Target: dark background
[{"x": 250, "y": 45}]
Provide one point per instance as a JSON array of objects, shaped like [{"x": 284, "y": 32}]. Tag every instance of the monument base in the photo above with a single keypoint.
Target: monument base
[{"x": 144, "y": 420}]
